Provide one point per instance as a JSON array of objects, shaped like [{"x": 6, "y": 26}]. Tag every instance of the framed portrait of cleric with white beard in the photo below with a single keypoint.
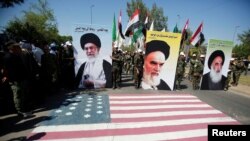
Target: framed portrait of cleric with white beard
[
  {"x": 93, "y": 49},
  {"x": 216, "y": 64},
  {"x": 160, "y": 60}
]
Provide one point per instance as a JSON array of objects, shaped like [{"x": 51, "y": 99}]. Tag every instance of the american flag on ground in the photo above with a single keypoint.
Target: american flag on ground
[{"x": 128, "y": 117}]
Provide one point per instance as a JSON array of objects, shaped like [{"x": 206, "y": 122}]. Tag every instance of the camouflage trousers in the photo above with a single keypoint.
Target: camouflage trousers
[
  {"x": 195, "y": 82},
  {"x": 227, "y": 81},
  {"x": 179, "y": 78},
  {"x": 138, "y": 78},
  {"x": 236, "y": 77},
  {"x": 20, "y": 95},
  {"x": 116, "y": 77}
]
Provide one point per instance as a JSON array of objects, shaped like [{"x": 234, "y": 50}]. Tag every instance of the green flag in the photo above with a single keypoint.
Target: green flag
[
  {"x": 114, "y": 30},
  {"x": 138, "y": 33},
  {"x": 176, "y": 29}
]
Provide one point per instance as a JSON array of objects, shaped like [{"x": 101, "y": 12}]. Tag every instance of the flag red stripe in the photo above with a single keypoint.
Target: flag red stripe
[
  {"x": 126, "y": 131},
  {"x": 186, "y": 26},
  {"x": 196, "y": 32},
  {"x": 150, "y": 95},
  {"x": 191, "y": 139},
  {"x": 159, "y": 110},
  {"x": 136, "y": 13},
  {"x": 163, "y": 118}
]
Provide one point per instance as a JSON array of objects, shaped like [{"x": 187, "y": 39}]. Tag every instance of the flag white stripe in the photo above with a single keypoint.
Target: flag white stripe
[
  {"x": 87, "y": 127},
  {"x": 152, "y": 26},
  {"x": 158, "y": 107},
  {"x": 136, "y": 19},
  {"x": 146, "y": 137},
  {"x": 146, "y": 20},
  {"x": 150, "y": 97},
  {"x": 157, "y": 114},
  {"x": 195, "y": 40},
  {"x": 153, "y": 101}
]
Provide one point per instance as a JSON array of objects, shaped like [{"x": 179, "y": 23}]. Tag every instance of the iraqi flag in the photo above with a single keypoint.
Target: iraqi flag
[
  {"x": 120, "y": 25},
  {"x": 185, "y": 27},
  {"x": 184, "y": 35},
  {"x": 133, "y": 23},
  {"x": 201, "y": 40},
  {"x": 127, "y": 117},
  {"x": 197, "y": 36},
  {"x": 184, "y": 30},
  {"x": 145, "y": 27}
]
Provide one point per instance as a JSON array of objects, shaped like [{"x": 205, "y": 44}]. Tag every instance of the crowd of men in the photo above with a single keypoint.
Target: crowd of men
[{"x": 30, "y": 72}]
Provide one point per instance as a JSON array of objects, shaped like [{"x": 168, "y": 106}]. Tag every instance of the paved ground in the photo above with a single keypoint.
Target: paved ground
[
  {"x": 14, "y": 128},
  {"x": 241, "y": 89}
]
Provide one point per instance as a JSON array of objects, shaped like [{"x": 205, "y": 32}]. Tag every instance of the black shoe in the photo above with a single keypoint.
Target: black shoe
[{"x": 25, "y": 114}]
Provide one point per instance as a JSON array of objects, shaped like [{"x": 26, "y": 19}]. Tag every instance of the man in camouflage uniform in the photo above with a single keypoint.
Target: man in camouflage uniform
[
  {"x": 180, "y": 70},
  {"x": 191, "y": 67},
  {"x": 116, "y": 61},
  {"x": 197, "y": 69},
  {"x": 16, "y": 72},
  {"x": 132, "y": 55},
  {"x": 121, "y": 65},
  {"x": 127, "y": 62},
  {"x": 134, "y": 70},
  {"x": 229, "y": 75},
  {"x": 239, "y": 68},
  {"x": 139, "y": 61}
]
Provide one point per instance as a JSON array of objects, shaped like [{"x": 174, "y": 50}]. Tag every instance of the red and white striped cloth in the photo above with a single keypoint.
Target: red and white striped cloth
[{"x": 144, "y": 117}]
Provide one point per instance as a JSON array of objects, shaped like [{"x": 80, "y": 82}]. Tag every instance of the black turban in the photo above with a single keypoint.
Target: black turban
[
  {"x": 214, "y": 55},
  {"x": 157, "y": 45},
  {"x": 90, "y": 38}
]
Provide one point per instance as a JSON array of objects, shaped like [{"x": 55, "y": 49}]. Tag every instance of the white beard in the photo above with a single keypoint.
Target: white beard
[
  {"x": 151, "y": 80},
  {"x": 92, "y": 58},
  {"x": 215, "y": 76}
]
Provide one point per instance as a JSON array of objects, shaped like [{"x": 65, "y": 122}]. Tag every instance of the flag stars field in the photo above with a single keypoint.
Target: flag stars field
[
  {"x": 87, "y": 109},
  {"x": 75, "y": 104},
  {"x": 87, "y": 116}
]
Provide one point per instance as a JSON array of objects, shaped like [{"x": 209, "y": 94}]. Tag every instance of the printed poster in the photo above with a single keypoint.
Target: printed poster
[
  {"x": 216, "y": 64},
  {"x": 97, "y": 75},
  {"x": 157, "y": 40}
]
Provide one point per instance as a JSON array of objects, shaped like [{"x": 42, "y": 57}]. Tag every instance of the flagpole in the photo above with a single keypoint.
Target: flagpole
[
  {"x": 178, "y": 20},
  {"x": 183, "y": 36},
  {"x": 236, "y": 27},
  {"x": 91, "y": 13},
  {"x": 118, "y": 38}
]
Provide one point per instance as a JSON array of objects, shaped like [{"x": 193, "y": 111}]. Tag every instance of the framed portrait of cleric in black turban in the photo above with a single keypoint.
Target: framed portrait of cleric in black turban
[
  {"x": 216, "y": 65},
  {"x": 93, "y": 50},
  {"x": 160, "y": 60}
]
